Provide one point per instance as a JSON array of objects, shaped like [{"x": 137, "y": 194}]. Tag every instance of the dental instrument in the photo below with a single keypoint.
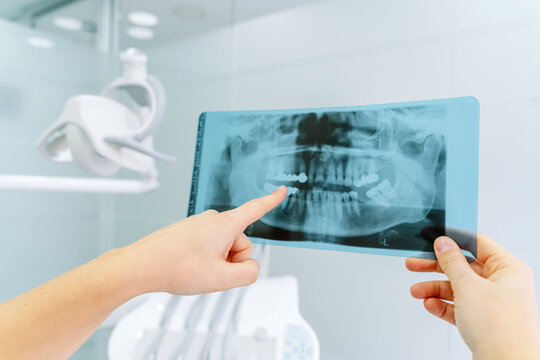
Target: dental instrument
[
  {"x": 163, "y": 325},
  {"x": 218, "y": 314},
  {"x": 191, "y": 326},
  {"x": 261, "y": 322},
  {"x": 232, "y": 325}
]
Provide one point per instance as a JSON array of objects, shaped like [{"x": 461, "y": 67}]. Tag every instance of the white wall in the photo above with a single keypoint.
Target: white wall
[{"x": 336, "y": 53}]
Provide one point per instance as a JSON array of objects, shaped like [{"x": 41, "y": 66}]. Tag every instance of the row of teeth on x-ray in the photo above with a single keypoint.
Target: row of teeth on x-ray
[
  {"x": 357, "y": 184},
  {"x": 381, "y": 194},
  {"x": 333, "y": 201},
  {"x": 334, "y": 175}
]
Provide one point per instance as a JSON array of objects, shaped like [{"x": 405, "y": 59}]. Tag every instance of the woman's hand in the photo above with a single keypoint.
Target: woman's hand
[
  {"x": 494, "y": 304},
  {"x": 203, "y": 253}
]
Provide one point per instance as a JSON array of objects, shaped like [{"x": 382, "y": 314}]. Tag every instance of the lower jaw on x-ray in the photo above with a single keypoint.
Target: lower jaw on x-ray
[{"x": 363, "y": 178}]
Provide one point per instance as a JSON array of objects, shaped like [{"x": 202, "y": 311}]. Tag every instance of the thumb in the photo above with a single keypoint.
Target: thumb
[
  {"x": 240, "y": 273},
  {"x": 451, "y": 260}
]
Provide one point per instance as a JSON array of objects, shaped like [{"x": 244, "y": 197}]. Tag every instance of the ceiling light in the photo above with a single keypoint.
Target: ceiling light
[
  {"x": 189, "y": 12},
  {"x": 143, "y": 18},
  {"x": 140, "y": 33},
  {"x": 39, "y": 42},
  {"x": 68, "y": 23}
]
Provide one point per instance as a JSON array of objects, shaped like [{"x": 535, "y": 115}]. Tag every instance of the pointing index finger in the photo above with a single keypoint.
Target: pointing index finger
[{"x": 255, "y": 209}]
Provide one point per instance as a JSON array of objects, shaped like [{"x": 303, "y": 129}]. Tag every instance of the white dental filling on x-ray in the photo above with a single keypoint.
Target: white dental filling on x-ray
[{"x": 377, "y": 172}]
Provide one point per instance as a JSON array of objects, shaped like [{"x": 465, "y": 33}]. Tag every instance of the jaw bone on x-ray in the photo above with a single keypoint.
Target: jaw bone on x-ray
[{"x": 372, "y": 177}]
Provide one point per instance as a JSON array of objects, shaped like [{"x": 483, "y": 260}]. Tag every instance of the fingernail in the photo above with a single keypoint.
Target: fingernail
[
  {"x": 280, "y": 188},
  {"x": 443, "y": 244}
]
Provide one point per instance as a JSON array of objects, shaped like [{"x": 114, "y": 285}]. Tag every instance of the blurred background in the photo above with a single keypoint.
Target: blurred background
[{"x": 255, "y": 54}]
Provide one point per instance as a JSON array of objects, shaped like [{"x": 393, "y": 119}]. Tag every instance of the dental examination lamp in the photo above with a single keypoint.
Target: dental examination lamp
[{"x": 105, "y": 133}]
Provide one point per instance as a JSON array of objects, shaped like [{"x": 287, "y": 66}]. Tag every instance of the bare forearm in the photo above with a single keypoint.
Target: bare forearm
[{"x": 54, "y": 319}]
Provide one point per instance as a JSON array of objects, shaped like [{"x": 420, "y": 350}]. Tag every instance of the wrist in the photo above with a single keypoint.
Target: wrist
[
  {"x": 128, "y": 281},
  {"x": 142, "y": 263}
]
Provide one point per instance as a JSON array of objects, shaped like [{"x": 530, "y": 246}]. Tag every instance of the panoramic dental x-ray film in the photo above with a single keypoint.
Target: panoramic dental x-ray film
[{"x": 375, "y": 179}]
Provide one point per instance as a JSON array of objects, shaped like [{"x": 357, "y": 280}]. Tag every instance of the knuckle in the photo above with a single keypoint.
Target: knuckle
[
  {"x": 233, "y": 216},
  {"x": 444, "y": 311},
  {"x": 447, "y": 262},
  {"x": 527, "y": 270},
  {"x": 455, "y": 257},
  {"x": 455, "y": 266},
  {"x": 251, "y": 277},
  {"x": 251, "y": 273},
  {"x": 452, "y": 264}
]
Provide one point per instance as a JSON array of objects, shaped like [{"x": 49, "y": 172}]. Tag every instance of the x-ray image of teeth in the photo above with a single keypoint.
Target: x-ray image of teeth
[{"x": 358, "y": 177}]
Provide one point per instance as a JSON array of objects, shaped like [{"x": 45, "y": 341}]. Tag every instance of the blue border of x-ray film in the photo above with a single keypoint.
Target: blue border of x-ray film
[
  {"x": 462, "y": 136},
  {"x": 348, "y": 248}
]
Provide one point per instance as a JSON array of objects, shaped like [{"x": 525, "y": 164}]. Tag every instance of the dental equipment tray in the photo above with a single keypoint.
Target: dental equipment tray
[{"x": 379, "y": 179}]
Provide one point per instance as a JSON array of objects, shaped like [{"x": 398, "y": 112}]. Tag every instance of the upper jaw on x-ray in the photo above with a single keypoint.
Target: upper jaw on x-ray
[{"x": 348, "y": 174}]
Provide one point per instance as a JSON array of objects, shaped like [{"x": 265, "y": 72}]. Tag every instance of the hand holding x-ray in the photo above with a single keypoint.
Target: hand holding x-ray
[{"x": 492, "y": 300}]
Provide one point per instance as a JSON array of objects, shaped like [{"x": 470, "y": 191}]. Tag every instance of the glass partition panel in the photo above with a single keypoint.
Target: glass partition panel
[{"x": 44, "y": 234}]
